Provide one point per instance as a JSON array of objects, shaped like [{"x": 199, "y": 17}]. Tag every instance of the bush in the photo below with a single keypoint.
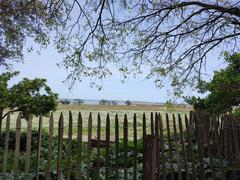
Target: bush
[
  {"x": 128, "y": 103},
  {"x": 104, "y": 102},
  {"x": 78, "y": 101},
  {"x": 114, "y": 103},
  {"x": 65, "y": 101},
  {"x": 236, "y": 112}
]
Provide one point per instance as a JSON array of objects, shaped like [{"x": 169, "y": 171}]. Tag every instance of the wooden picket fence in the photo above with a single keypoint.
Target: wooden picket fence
[{"x": 194, "y": 146}]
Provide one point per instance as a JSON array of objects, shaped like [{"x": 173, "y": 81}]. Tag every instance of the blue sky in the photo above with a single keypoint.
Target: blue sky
[{"x": 44, "y": 65}]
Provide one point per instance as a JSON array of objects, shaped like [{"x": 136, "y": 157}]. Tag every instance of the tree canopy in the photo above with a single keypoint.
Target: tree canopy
[
  {"x": 22, "y": 20},
  {"x": 28, "y": 96},
  {"x": 223, "y": 89},
  {"x": 158, "y": 38}
]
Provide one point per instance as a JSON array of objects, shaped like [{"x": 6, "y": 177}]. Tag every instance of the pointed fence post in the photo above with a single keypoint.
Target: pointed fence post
[{"x": 149, "y": 172}]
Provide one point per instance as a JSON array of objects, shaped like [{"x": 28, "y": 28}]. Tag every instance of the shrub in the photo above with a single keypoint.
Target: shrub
[
  {"x": 65, "y": 101},
  {"x": 114, "y": 103},
  {"x": 78, "y": 101},
  {"x": 128, "y": 102},
  {"x": 104, "y": 102}
]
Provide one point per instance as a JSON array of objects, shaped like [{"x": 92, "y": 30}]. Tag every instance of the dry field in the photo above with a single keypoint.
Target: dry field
[{"x": 103, "y": 110}]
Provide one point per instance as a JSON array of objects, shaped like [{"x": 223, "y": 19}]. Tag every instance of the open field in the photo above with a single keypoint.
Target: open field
[{"x": 103, "y": 110}]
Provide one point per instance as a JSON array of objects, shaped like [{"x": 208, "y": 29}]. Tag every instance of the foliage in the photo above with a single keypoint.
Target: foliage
[
  {"x": 64, "y": 101},
  {"x": 218, "y": 166},
  {"x": 198, "y": 103},
  {"x": 104, "y": 102},
  {"x": 29, "y": 96},
  {"x": 79, "y": 101},
  {"x": 224, "y": 89},
  {"x": 27, "y": 20},
  {"x": 168, "y": 103},
  {"x": 128, "y": 102},
  {"x": 236, "y": 112},
  {"x": 114, "y": 103},
  {"x": 157, "y": 38},
  {"x": 160, "y": 38}
]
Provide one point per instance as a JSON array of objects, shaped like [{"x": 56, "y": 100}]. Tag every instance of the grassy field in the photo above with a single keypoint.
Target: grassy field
[{"x": 103, "y": 110}]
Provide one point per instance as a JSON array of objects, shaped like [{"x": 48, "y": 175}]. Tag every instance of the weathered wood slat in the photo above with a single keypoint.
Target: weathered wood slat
[
  {"x": 152, "y": 123},
  {"x": 200, "y": 150},
  {"x": 1, "y": 114},
  {"x": 150, "y": 170},
  {"x": 89, "y": 154},
  {"x": 209, "y": 150},
  {"x": 135, "y": 147},
  {"x": 98, "y": 144},
  {"x": 28, "y": 148},
  {"x": 50, "y": 142},
  {"x": 222, "y": 138},
  {"x": 39, "y": 147},
  {"x": 177, "y": 149},
  {"x": 116, "y": 148},
  {"x": 236, "y": 141},
  {"x": 144, "y": 136},
  {"x": 218, "y": 148},
  {"x": 125, "y": 142},
  {"x": 79, "y": 147},
  {"x": 170, "y": 147},
  {"x": 190, "y": 148},
  {"x": 69, "y": 149},
  {"x": 157, "y": 146},
  {"x": 230, "y": 147},
  {"x": 162, "y": 149},
  {"x": 60, "y": 144},
  {"x": 6, "y": 144},
  {"x": 17, "y": 145},
  {"x": 107, "y": 146},
  {"x": 185, "y": 157}
]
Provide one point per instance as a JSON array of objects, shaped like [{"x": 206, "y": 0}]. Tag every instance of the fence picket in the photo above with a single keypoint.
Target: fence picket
[
  {"x": 116, "y": 147},
  {"x": 135, "y": 147},
  {"x": 236, "y": 141},
  {"x": 28, "y": 148},
  {"x": 218, "y": 147},
  {"x": 107, "y": 146},
  {"x": 69, "y": 149},
  {"x": 50, "y": 142},
  {"x": 177, "y": 149},
  {"x": 213, "y": 174},
  {"x": 157, "y": 145},
  {"x": 183, "y": 147},
  {"x": 190, "y": 151},
  {"x": 38, "y": 147},
  {"x": 60, "y": 144},
  {"x": 6, "y": 144},
  {"x": 230, "y": 147},
  {"x": 17, "y": 145},
  {"x": 200, "y": 150},
  {"x": 150, "y": 171},
  {"x": 144, "y": 137},
  {"x": 79, "y": 147},
  {"x": 170, "y": 147},
  {"x": 98, "y": 144},
  {"x": 1, "y": 114},
  {"x": 152, "y": 123},
  {"x": 125, "y": 142},
  {"x": 89, "y": 153},
  {"x": 162, "y": 149}
]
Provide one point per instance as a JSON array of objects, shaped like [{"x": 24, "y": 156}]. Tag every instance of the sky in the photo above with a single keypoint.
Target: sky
[{"x": 44, "y": 65}]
